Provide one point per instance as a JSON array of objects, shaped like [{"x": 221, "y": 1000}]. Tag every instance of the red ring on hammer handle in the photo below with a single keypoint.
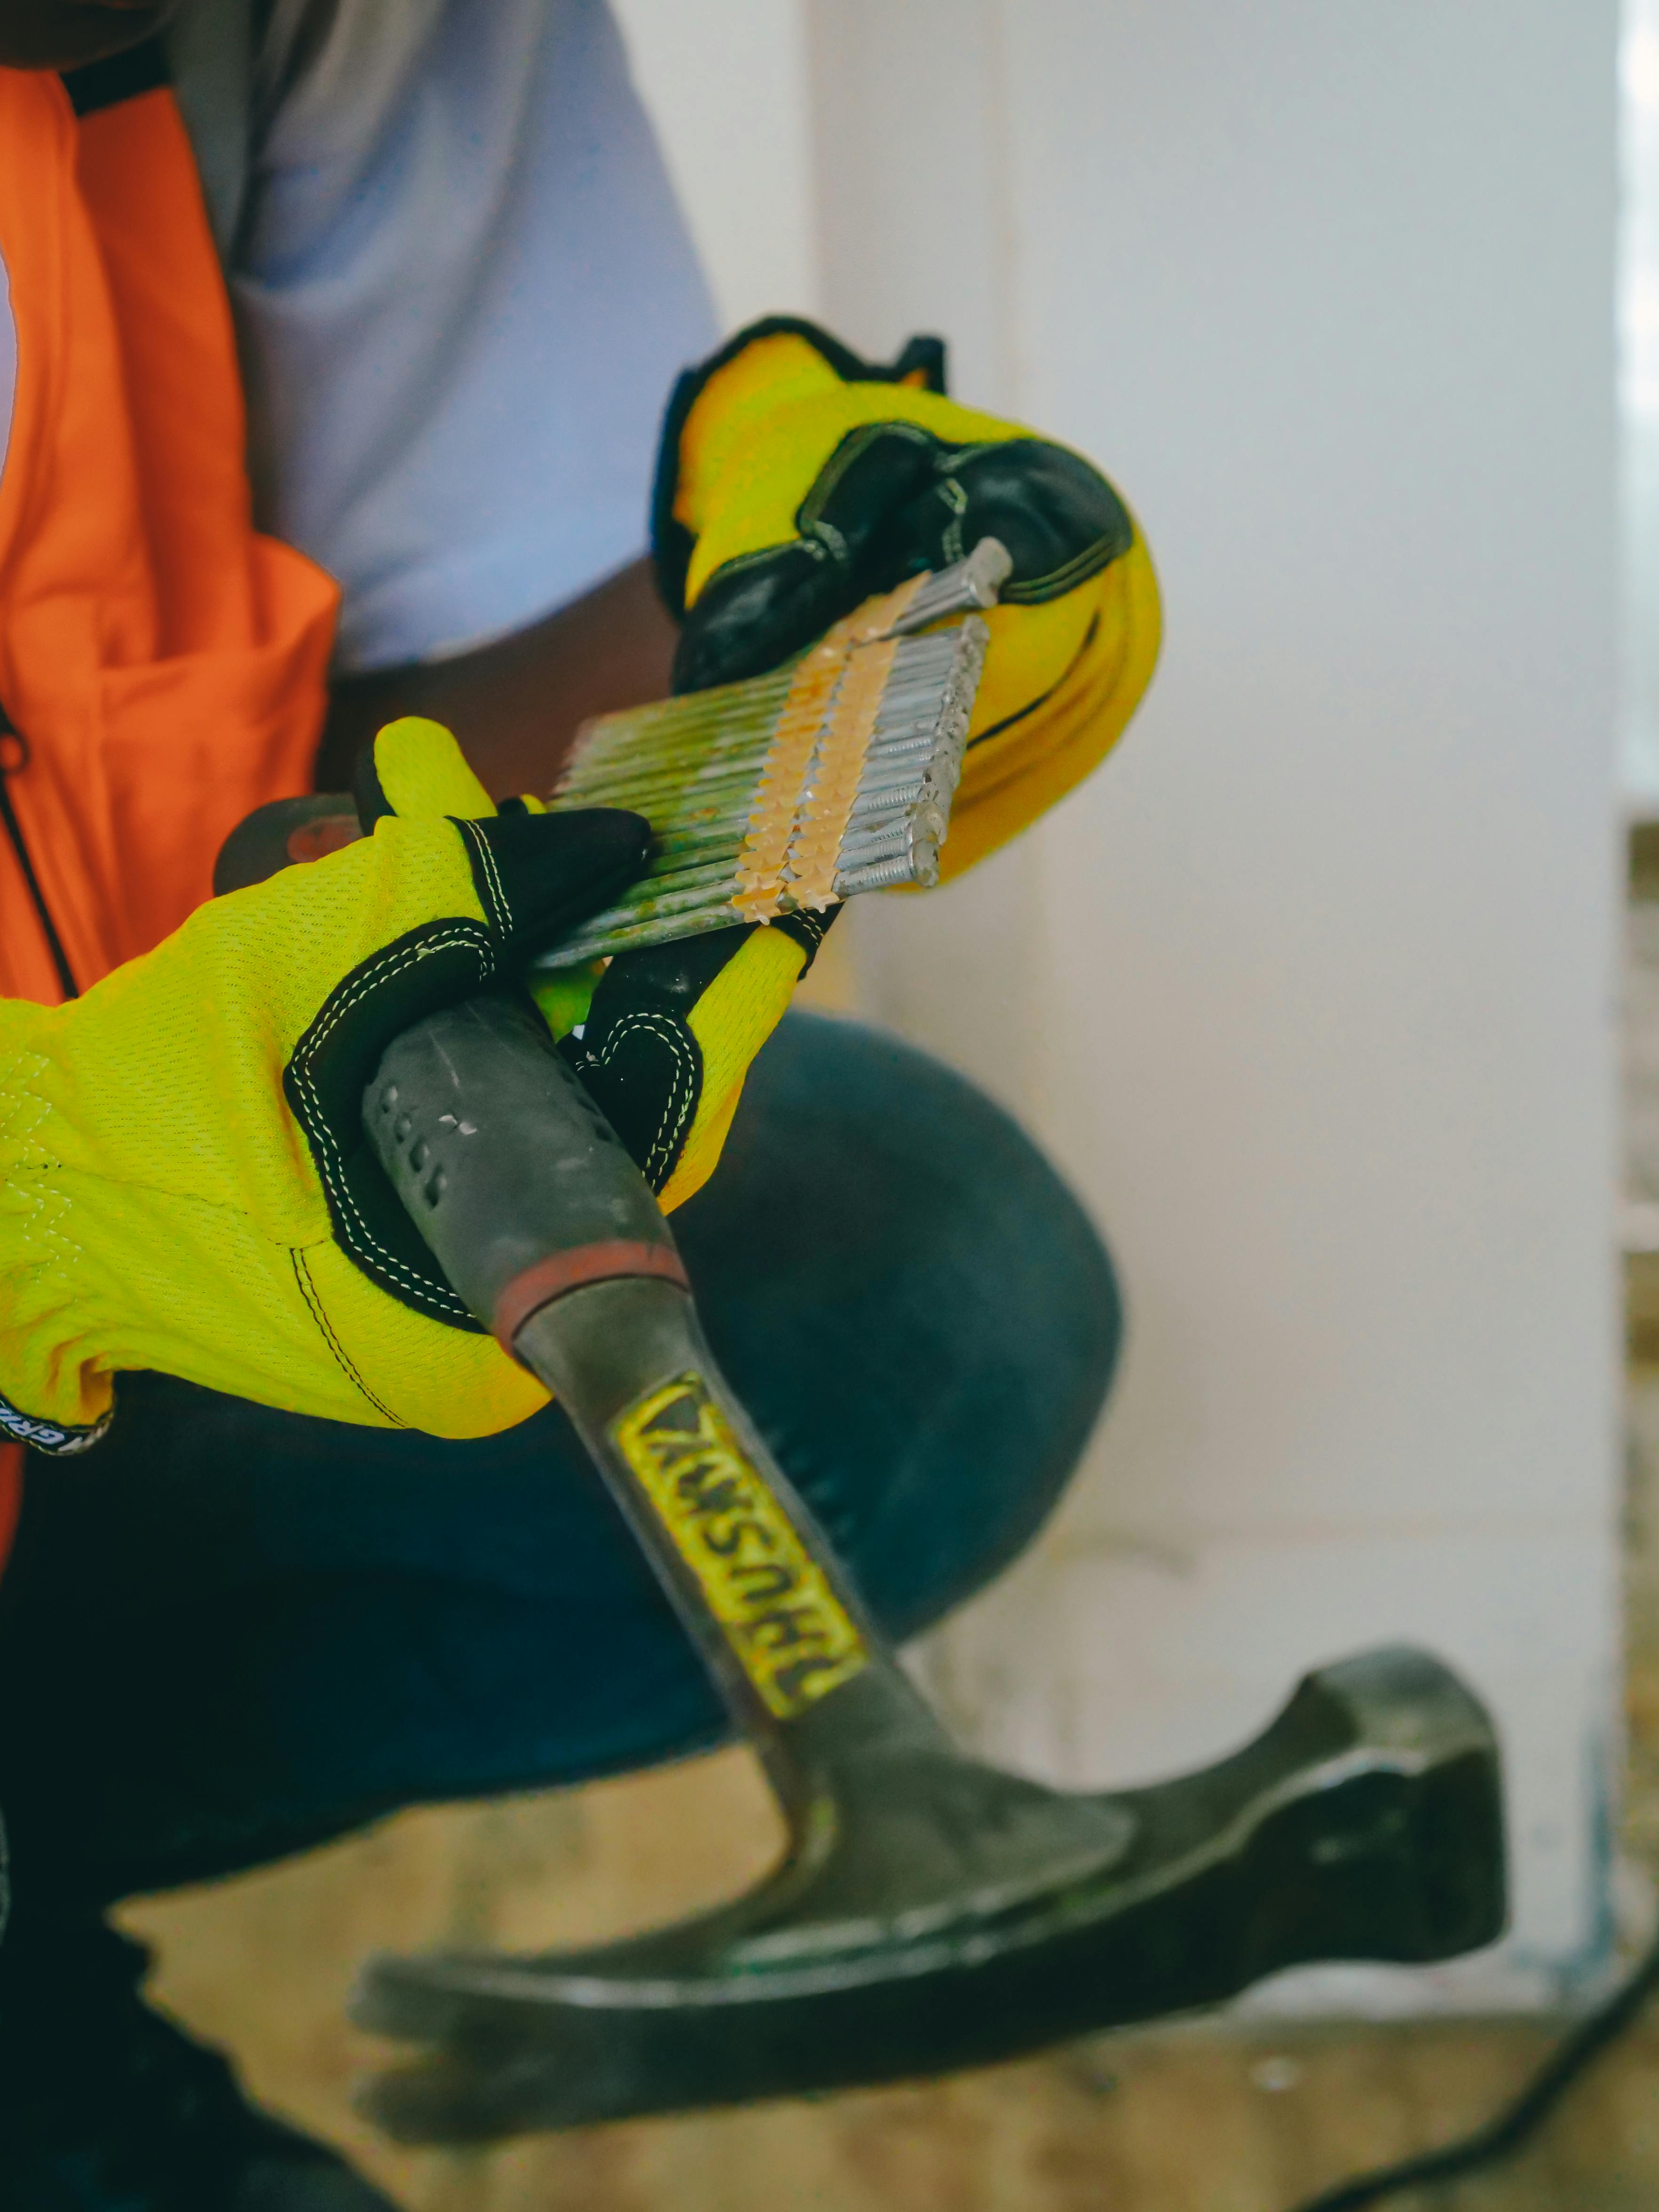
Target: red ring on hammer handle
[{"x": 538, "y": 1285}]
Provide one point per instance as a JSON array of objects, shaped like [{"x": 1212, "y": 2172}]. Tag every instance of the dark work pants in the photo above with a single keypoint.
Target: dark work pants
[{"x": 228, "y": 1633}]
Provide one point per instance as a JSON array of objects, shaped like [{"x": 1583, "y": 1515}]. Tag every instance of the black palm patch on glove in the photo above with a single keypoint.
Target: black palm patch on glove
[
  {"x": 638, "y": 1055},
  {"x": 537, "y": 877},
  {"x": 893, "y": 500}
]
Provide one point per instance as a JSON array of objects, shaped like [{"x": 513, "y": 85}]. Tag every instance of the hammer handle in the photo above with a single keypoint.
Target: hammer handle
[{"x": 542, "y": 1222}]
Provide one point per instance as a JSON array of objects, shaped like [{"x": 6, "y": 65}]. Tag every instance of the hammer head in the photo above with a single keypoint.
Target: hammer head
[{"x": 936, "y": 1914}]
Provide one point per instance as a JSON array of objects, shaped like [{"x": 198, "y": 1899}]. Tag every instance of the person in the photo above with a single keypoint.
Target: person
[{"x": 336, "y": 342}]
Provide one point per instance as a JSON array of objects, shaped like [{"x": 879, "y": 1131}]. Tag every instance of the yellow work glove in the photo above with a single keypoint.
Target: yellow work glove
[
  {"x": 185, "y": 1184},
  {"x": 793, "y": 481},
  {"x": 669, "y": 1035},
  {"x": 664, "y": 1040}
]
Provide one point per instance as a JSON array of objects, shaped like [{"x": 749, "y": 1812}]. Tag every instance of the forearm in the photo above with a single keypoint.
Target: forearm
[{"x": 516, "y": 703}]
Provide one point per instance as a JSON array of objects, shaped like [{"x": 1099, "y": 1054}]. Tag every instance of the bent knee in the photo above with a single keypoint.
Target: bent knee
[{"x": 921, "y": 1314}]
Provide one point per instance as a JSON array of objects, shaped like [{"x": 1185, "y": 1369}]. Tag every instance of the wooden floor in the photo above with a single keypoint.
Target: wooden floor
[
  {"x": 1204, "y": 2118},
  {"x": 1195, "y": 2119}
]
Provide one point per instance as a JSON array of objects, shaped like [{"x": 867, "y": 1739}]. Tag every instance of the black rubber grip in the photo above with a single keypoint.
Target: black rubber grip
[{"x": 505, "y": 1163}]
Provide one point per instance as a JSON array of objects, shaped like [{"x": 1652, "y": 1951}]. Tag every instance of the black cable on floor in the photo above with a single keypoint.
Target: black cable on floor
[{"x": 1517, "y": 2121}]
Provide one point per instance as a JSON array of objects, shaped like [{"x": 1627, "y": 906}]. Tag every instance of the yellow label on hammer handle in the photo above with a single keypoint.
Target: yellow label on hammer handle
[{"x": 787, "y": 1628}]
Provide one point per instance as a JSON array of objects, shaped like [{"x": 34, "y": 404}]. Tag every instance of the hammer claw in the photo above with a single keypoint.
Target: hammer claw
[{"x": 1364, "y": 1823}]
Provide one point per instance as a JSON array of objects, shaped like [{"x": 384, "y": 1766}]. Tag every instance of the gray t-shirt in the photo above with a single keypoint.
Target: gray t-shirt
[{"x": 463, "y": 289}]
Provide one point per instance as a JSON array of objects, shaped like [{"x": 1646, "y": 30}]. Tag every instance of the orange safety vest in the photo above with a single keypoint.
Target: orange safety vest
[{"x": 162, "y": 665}]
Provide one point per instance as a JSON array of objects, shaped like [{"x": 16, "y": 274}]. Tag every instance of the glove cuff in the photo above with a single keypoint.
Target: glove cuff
[
  {"x": 920, "y": 363},
  {"x": 59, "y": 1439}
]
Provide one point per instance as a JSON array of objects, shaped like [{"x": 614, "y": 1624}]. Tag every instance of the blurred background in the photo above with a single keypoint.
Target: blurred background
[
  {"x": 1315, "y": 993},
  {"x": 1310, "y": 989}
]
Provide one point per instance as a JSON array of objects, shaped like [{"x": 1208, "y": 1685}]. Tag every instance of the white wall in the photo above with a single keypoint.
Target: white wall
[
  {"x": 1309, "y": 988},
  {"x": 726, "y": 81},
  {"x": 1640, "y": 392}
]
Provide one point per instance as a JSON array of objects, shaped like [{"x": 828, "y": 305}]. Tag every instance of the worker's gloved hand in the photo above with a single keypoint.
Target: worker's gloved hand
[
  {"x": 185, "y": 1184},
  {"x": 669, "y": 1034},
  {"x": 664, "y": 1038},
  {"x": 795, "y": 480}
]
